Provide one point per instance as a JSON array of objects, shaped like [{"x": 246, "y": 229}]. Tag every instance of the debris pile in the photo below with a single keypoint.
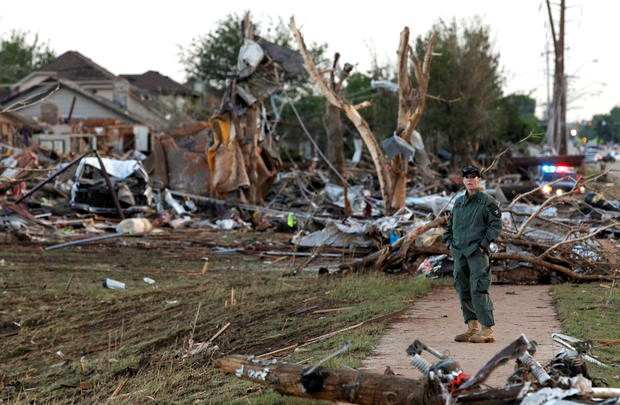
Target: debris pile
[
  {"x": 565, "y": 378},
  {"x": 225, "y": 173},
  {"x": 564, "y": 236}
]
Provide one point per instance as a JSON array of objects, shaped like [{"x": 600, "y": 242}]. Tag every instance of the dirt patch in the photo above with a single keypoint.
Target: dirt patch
[{"x": 436, "y": 319}]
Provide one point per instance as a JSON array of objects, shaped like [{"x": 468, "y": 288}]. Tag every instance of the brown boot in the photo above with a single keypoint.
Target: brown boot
[
  {"x": 484, "y": 336},
  {"x": 473, "y": 327}
]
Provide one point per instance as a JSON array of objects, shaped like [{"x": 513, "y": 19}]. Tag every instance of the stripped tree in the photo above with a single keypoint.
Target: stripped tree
[
  {"x": 391, "y": 173},
  {"x": 334, "y": 140}
]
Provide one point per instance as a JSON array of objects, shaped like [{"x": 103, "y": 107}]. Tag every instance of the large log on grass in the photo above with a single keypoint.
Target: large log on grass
[{"x": 335, "y": 384}]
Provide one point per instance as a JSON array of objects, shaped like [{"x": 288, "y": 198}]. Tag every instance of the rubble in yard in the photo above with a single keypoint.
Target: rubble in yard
[
  {"x": 69, "y": 182},
  {"x": 561, "y": 237},
  {"x": 90, "y": 193},
  {"x": 225, "y": 173},
  {"x": 564, "y": 379}
]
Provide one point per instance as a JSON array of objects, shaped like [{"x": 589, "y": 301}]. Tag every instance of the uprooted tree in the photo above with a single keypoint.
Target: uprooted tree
[{"x": 391, "y": 173}]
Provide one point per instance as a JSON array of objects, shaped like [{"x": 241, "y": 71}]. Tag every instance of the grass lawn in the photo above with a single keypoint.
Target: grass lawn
[
  {"x": 66, "y": 339},
  {"x": 592, "y": 312},
  {"x": 80, "y": 342}
]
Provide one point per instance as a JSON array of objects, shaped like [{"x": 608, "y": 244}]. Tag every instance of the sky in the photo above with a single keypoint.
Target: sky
[{"x": 137, "y": 36}]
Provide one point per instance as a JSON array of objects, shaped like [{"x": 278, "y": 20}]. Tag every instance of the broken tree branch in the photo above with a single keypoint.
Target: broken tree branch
[
  {"x": 551, "y": 266},
  {"x": 422, "y": 75},
  {"x": 380, "y": 258},
  {"x": 538, "y": 211},
  {"x": 566, "y": 241},
  {"x": 360, "y": 124}
]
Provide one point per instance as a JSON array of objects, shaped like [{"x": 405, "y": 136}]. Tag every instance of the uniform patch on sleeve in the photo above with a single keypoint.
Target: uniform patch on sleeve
[{"x": 495, "y": 210}]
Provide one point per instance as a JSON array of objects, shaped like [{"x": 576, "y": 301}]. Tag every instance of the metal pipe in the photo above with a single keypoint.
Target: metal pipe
[
  {"x": 81, "y": 241},
  {"x": 344, "y": 348},
  {"x": 52, "y": 177},
  {"x": 110, "y": 187},
  {"x": 71, "y": 109}
]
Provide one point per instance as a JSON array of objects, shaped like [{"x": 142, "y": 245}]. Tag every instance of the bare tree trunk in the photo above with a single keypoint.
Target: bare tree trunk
[
  {"x": 411, "y": 104},
  {"x": 360, "y": 124},
  {"x": 332, "y": 120},
  {"x": 393, "y": 176},
  {"x": 559, "y": 81},
  {"x": 335, "y": 140}
]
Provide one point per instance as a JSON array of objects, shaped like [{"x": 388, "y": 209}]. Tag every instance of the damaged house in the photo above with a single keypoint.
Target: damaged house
[
  {"x": 176, "y": 97},
  {"x": 232, "y": 154},
  {"x": 72, "y": 90}
]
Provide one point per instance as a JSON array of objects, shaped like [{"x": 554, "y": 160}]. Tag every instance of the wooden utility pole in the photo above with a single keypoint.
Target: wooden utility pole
[
  {"x": 559, "y": 82},
  {"x": 344, "y": 385}
]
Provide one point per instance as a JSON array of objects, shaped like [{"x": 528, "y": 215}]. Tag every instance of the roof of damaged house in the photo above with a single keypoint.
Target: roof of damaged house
[
  {"x": 291, "y": 61},
  {"x": 47, "y": 89},
  {"x": 71, "y": 65},
  {"x": 150, "y": 112},
  {"x": 79, "y": 73},
  {"x": 74, "y": 66},
  {"x": 155, "y": 82}
]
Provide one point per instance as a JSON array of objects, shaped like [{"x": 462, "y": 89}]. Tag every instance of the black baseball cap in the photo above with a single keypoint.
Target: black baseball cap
[{"x": 471, "y": 170}]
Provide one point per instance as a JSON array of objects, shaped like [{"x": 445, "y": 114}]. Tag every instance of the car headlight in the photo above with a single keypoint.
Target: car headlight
[
  {"x": 582, "y": 189},
  {"x": 559, "y": 191},
  {"x": 546, "y": 189}
]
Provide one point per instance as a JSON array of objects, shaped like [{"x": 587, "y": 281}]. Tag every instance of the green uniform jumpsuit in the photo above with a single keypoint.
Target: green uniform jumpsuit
[{"x": 475, "y": 222}]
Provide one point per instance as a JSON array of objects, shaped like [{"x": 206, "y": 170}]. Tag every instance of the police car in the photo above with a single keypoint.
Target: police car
[{"x": 559, "y": 179}]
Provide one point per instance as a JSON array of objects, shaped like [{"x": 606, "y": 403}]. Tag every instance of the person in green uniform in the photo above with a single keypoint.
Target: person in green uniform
[{"x": 474, "y": 223}]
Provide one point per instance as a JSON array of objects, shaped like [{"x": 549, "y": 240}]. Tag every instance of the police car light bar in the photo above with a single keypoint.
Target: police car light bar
[{"x": 555, "y": 169}]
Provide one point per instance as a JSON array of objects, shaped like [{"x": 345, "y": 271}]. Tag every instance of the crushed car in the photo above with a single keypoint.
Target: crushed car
[{"x": 90, "y": 192}]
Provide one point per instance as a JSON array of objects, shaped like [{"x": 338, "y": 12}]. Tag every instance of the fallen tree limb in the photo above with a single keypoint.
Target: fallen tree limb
[
  {"x": 538, "y": 211},
  {"x": 538, "y": 262},
  {"x": 563, "y": 242},
  {"x": 551, "y": 266},
  {"x": 345, "y": 385},
  {"x": 410, "y": 238},
  {"x": 402, "y": 246}
]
